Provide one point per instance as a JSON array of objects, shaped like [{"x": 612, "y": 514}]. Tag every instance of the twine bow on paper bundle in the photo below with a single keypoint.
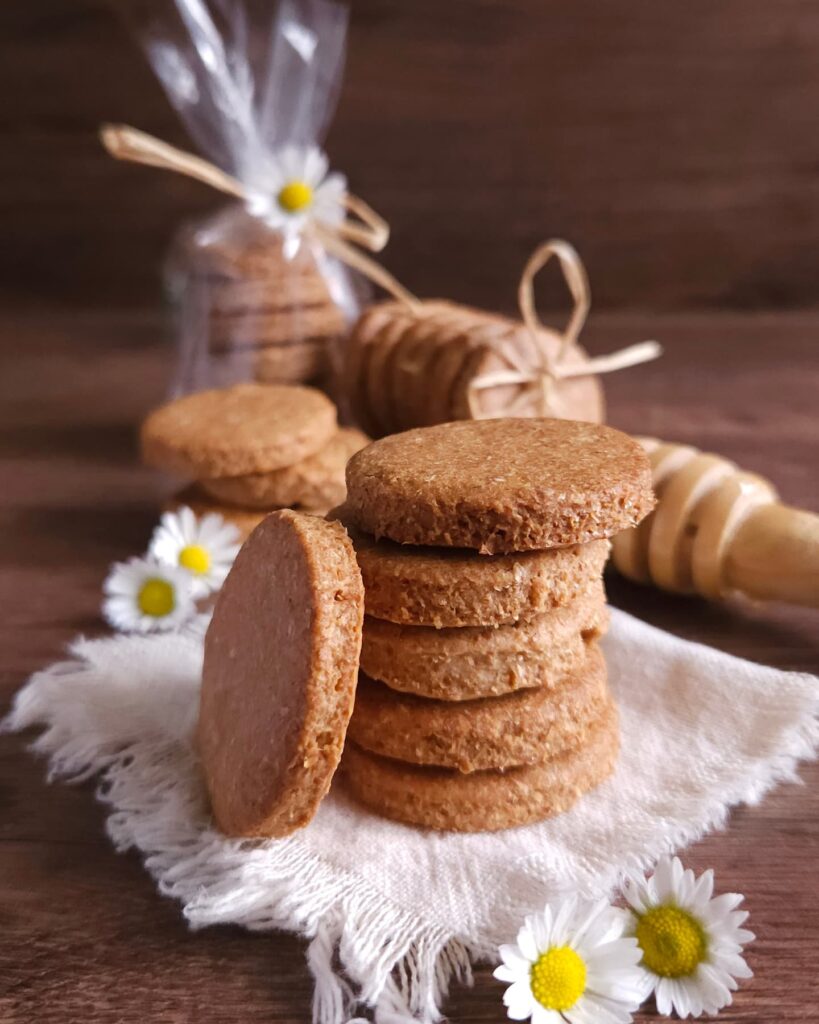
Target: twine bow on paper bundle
[
  {"x": 537, "y": 377},
  {"x": 364, "y": 228}
]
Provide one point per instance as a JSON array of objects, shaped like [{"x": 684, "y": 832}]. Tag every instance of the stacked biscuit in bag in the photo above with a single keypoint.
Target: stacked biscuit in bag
[
  {"x": 252, "y": 310},
  {"x": 483, "y": 699},
  {"x": 252, "y": 448}
]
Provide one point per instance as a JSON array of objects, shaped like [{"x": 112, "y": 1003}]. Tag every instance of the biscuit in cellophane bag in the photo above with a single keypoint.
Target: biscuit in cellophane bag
[{"x": 266, "y": 287}]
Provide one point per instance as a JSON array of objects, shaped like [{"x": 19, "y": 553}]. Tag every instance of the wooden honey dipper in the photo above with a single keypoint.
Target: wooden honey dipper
[{"x": 717, "y": 529}]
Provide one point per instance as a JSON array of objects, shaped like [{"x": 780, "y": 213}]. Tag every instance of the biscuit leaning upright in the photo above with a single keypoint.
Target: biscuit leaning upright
[{"x": 279, "y": 676}]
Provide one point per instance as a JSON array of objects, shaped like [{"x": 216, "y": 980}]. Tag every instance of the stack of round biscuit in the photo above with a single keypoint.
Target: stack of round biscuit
[
  {"x": 267, "y": 314},
  {"x": 252, "y": 448},
  {"x": 483, "y": 700}
]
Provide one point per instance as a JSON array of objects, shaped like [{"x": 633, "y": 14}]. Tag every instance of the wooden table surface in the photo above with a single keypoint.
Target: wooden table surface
[{"x": 83, "y": 935}]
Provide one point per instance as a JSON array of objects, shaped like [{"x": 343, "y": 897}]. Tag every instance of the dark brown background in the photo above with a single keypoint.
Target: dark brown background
[{"x": 674, "y": 142}]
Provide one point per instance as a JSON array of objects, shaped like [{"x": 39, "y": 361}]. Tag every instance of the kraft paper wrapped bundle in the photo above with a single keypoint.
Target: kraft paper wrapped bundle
[
  {"x": 411, "y": 364},
  {"x": 265, "y": 288}
]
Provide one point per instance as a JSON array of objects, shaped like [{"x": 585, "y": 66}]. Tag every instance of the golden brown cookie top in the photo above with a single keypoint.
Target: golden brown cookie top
[
  {"x": 279, "y": 676},
  {"x": 500, "y": 485},
  {"x": 247, "y": 428}
]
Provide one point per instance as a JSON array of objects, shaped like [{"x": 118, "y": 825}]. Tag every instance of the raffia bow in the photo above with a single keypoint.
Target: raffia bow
[
  {"x": 542, "y": 375},
  {"x": 365, "y": 228}
]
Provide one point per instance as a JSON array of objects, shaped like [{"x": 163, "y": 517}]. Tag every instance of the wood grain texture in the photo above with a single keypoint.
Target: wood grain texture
[
  {"x": 673, "y": 143},
  {"x": 84, "y": 938}
]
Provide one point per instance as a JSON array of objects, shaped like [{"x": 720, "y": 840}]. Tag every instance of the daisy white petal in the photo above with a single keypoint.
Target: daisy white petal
[
  {"x": 547, "y": 917},
  {"x": 733, "y": 965},
  {"x": 565, "y": 914},
  {"x": 315, "y": 166},
  {"x": 685, "y": 883},
  {"x": 540, "y": 1015},
  {"x": 694, "y": 994},
  {"x": 664, "y": 881},
  {"x": 585, "y": 1014},
  {"x": 527, "y": 944},
  {"x": 635, "y": 894},
  {"x": 601, "y": 924},
  {"x": 518, "y": 1001},
  {"x": 720, "y": 907},
  {"x": 664, "y": 997},
  {"x": 541, "y": 931},
  {"x": 644, "y": 985},
  {"x": 704, "y": 887},
  {"x": 604, "y": 1010},
  {"x": 715, "y": 988},
  {"x": 328, "y": 206},
  {"x": 508, "y": 974},
  {"x": 737, "y": 919},
  {"x": 618, "y": 951},
  {"x": 290, "y": 161},
  {"x": 514, "y": 959}
]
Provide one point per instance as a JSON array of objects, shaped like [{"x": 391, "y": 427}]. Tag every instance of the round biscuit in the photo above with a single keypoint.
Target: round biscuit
[
  {"x": 526, "y": 727},
  {"x": 500, "y": 485},
  {"x": 316, "y": 482},
  {"x": 247, "y": 428},
  {"x": 426, "y": 586},
  {"x": 445, "y": 799},
  {"x": 468, "y": 662}
]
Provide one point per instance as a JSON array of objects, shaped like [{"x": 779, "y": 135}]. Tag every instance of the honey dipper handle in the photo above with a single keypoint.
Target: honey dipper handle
[{"x": 774, "y": 556}]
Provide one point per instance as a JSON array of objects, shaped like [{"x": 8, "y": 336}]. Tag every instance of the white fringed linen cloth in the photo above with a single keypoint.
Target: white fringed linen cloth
[{"x": 395, "y": 913}]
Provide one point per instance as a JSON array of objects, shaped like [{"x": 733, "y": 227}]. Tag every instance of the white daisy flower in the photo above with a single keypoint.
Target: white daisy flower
[
  {"x": 144, "y": 596},
  {"x": 300, "y": 187},
  {"x": 572, "y": 963},
  {"x": 691, "y": 943},
  {"x": 204, "y": 547}
]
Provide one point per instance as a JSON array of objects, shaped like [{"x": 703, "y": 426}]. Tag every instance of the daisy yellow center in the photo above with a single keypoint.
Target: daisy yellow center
[
  {"x": 558, "y": 978},
  {"x": 156, "y": 598},
  {"x": 295, "y": 196},
  {"x": 195, "y": 558},
  {"x": 672, "y": 940}
]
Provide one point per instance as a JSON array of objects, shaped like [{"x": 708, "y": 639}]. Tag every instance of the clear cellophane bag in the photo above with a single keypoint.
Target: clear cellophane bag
[{"x": 252, "y": 300}]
